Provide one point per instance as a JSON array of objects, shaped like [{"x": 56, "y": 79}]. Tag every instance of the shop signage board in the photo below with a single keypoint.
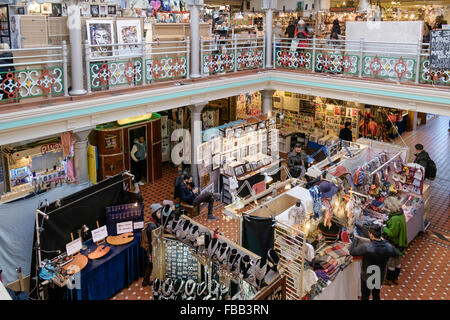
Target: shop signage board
[
  {"x": 440, "y": 50},
  {"x": 39, "y": 150},
  {"x": 343, "y": 9}
]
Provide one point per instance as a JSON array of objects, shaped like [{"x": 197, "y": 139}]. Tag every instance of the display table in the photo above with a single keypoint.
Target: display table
[
  {"x": 103, "y": 278},
  {"x": 346, "y": 286},
  {"x": 415, "y": 224}
]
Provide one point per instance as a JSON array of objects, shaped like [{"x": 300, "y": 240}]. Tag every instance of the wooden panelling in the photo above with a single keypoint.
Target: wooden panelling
[
  {"x": 111, "y": 165},
  {"x": 109, "y": 142}
]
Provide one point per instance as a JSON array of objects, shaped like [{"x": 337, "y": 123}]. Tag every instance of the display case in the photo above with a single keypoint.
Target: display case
[{"x": 5, "y": 36}]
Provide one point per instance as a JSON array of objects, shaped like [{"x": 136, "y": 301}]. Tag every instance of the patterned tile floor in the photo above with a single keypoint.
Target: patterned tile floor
[{"x": 425, "y": 272}]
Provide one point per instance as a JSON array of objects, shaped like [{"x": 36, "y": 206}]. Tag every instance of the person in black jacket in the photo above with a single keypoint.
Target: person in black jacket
[
  {"x": 290, "y": 29},
  {"x": 346, "y": 132},
  {"x": 297, "y": 162},
  {"x": 154, "y": 223},
  {"x": 376, "y": 253},
  {"x": 191, "y": 196},
  {"x": 422, "y": 157},
  {"x": 336, "y": 28}
]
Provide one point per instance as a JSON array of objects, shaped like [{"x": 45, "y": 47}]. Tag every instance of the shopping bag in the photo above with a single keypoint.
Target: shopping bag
[{"x": 294, "y": 45}]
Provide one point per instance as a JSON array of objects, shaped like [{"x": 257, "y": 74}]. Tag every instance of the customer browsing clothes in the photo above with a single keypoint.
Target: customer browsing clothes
[
  {"x": 375, "y": 253},
  {"x": 139, "y": 163},
  {"x": 191, "y": 196},
  {"x": 146, "y": 240},
  {"x": 395, "y": 232}
]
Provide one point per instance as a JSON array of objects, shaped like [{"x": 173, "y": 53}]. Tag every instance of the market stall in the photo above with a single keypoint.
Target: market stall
[
  {"x": 195, "y": 263},
  {"x": 37, "y": 167},
  {"x": 90, "y": 253}
]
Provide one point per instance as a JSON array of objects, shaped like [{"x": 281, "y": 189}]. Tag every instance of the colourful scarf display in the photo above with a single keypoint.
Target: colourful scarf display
[{"x": 316, "y": 195}]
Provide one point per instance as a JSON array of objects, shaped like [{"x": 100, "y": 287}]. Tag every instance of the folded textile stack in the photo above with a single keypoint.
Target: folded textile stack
[
  {"x": 316, "y": 289},
  {"x": 321, "y": 274},
  {"x": 338, "y": 250},
  {"x": 348, "y": 260}
]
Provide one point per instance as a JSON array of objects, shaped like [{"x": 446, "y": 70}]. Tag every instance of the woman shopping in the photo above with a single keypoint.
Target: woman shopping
[{"x": 395, "y": 232}]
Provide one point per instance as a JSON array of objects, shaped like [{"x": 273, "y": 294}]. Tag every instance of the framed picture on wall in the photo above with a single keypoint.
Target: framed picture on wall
[
  {"x": 102, "y": 11},
  {"x": 100, "y": 32},
  {"x": 239, "y": 170},
  {"x": 112, "y": 10},
  {"x": 129, "y": 32},
  {"x": 95, "y": 10},
  {"x": 216, "y": 161},
  {"x": 56, "y": 10},
  {"x": 46, "y": 8},
  {"x": 21, "y": 10}
]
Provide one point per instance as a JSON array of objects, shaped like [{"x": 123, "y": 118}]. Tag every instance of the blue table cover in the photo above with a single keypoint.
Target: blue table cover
[{"x": 104, "y": 277}]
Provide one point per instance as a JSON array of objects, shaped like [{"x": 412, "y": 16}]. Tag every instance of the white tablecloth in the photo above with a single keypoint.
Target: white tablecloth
[
  {"x": 4, "y": 295},
  {"x": 346, "y": 286}
]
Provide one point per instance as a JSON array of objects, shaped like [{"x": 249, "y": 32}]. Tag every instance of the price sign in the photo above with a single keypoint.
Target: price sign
[
  {"x": 124, "y": 227},
  {"x": 440, "y": 50},
  {"x": 74, "y": 246},
  {"x": 138, "y": 225},
  {"x": 99, "y": 234}
]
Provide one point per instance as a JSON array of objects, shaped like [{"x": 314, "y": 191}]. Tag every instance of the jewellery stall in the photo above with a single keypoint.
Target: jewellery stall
[{"x": 194, "y": 263}]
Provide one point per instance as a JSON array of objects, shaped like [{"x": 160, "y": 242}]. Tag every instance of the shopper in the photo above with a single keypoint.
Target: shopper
[
  {"x": 297, "y": 162},
  {"x": 346, "y": 132},
  {"x": 375, "y": 253},
  {"x": 336, "y": 27},
  {"x": 426, "y": 36},
  {"x": 290, "y": 30},
  {"x": 395, "y": 232},
  {"x": 146, "y": 240},
  {"x": 301, "y": 33},
  {"x": 423, "y": 159},
  {"x": 278, "y": 33},
  {"x": 191, "y": 196}
]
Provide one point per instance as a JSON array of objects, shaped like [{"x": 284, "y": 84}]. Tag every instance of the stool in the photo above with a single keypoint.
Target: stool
[{"x": 193, "y": 211}]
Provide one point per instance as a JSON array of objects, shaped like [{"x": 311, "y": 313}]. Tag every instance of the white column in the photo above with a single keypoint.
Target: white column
[
  {"x": 81, "y": 156},
  {"x": 196, "y": 138},
  {"x": 269, "y": 37},
  {"x": 195, "y": 41},
  {"x": 76, "y": 58},
  {"x": 266, "y": 102}
]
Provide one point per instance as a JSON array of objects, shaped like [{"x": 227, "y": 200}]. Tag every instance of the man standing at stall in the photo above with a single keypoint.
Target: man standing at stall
[
  {"x": 297, "y": 162},
  {"x": 376, "y": 254},
  {"x": 139, "y": 164},
  {"x": 346, "y": 132}
]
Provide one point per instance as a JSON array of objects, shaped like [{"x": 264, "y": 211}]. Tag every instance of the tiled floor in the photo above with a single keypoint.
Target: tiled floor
[{"x": 424, "y": 275}]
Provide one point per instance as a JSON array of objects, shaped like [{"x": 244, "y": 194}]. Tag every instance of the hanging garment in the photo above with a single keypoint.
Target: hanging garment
[
  {"x": 316, "y": 195},
  {"x": 67, "y": 142}
]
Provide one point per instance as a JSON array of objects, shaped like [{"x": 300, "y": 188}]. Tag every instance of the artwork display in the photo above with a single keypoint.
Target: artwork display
[
  {"x": 129, "y": 32},
  {"x": 46, "y": 8},
  {"x": 95, "y": 10},
  {"x": 100, "y": 32},
  {"x": 102, "y": 11},
  {"x": 16, "y": 38},
  {"x": 85, "y": 9},
  {"x": 56, "y": 9}
]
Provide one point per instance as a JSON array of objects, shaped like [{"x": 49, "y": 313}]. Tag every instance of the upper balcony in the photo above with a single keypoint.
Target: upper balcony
[{"x": 38, "y": 75}]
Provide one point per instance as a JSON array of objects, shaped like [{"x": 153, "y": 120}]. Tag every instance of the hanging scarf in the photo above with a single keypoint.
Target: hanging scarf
[
  {"x": 316, "y": 195},
  {"x": 67, "y": 142}
]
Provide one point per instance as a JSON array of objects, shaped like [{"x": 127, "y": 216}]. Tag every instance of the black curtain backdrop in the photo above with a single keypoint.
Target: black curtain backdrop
[
  {"x": 85, "y": 207},
  {"x": 257, "y": 234}
]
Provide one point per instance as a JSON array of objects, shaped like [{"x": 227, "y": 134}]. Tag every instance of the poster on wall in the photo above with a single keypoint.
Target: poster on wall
[
  {"x": 16, "y": 38},
  {"x": 100, "y": 32},
  {"x": 129, "y": 32}
]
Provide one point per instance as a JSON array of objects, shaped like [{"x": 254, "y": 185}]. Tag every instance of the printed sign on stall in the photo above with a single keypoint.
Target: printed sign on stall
[
  {"x": 124, "y": 227},
  {"x": 99, "y": 234},
  {"x": 74, "y": 246}
]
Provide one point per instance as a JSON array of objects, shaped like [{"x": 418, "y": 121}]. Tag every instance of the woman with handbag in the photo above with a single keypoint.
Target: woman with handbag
[{"x": 395, "y": 232}]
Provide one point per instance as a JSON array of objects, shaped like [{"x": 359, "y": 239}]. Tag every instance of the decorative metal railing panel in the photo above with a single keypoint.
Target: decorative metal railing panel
[
  {"x": 389, "y": 67},
  {"x": 114, "y": 73},
  {"x": 293, "y": 59},
  {"x": 427, "y": 75},
  {"x": 165, "y": 68},
  {"x": 250, "y": 59},
  {"x": 218, "y": 63},
  {"x": 336, "y": 63},
  {"x": 20, "y": 84}
]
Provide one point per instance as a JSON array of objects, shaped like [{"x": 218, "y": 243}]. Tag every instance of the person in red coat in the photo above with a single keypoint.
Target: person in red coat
[{"x": 302, "y": 34}]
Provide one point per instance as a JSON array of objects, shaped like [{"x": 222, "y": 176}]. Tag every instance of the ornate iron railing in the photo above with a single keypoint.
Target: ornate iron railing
[{"x": 33, "y": 72}]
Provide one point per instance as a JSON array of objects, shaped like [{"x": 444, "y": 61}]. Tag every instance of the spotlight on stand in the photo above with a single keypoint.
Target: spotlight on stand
[{"x": 267, "y": 178}]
